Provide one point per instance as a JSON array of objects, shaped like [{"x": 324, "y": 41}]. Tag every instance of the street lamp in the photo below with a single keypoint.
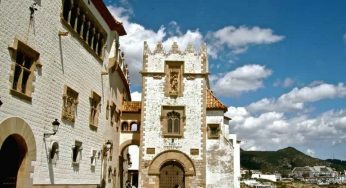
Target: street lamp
[
  {"x": 109, "y": 145},
  {"x": 55, "y": 124}
]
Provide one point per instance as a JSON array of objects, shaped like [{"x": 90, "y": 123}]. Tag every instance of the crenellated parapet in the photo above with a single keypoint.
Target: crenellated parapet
[
  {"x": 195, "y": 60},
  {"x": 174, "y": 49}
]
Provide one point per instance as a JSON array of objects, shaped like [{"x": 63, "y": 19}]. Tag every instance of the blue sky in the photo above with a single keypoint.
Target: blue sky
[{"x": 279, "y": 65}]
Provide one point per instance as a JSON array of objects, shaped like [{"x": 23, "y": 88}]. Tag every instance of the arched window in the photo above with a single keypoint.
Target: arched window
[
  {"x": 67, "y": 8},
  {"x": 99, "y": 46},
  {"x": 95, "y": 40},
  {"x": 134, "y": 127},
  {"x": 74, "y": 15},
  {"x": 86, "y": 26},
  {"x": 91, "y": 35},
  {"x": 124, "y": 126},
  {"x": 80, "y": 21},
  {"x": 173, "y": 123}
]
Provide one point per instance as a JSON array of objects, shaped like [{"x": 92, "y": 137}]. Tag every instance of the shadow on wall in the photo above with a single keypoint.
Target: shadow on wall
[
  {"x": 50, "y": 165},
  {"x": 61, "y": 56}
]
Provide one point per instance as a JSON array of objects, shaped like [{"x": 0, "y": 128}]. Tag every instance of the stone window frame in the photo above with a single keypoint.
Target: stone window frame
[
  {"x": 95, "y": 108},
  {"x": 137, "y": 128},
  {"x": 129, "y": 124},
  {"x": 53, "y": 152},
  {"x": 77, "y": 152},
  {"x": 212, "y": 135},
  {"x": 169, "y": 67},
  {"x": 76, "y": 16},
  {"x": 114, "y": 114},
  {"x": 69, "y": 95},
  {"x": 125, "y": 127},
  {"x": 16, "y": 48},
  {"x": 93, "y": 157},
  {"x": 164, "y": 121}
]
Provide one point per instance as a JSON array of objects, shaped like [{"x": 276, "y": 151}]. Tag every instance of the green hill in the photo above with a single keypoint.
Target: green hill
[{"x": 283, "y": 161}]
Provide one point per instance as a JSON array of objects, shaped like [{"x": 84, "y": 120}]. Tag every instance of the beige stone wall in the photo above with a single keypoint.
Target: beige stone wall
[{"x": 65, "y": 61}]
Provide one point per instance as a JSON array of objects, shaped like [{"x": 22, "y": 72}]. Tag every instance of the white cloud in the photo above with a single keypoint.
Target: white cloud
[
  {"x": 228, "y": 40},
  {"x": 266, "y": 125},
  {"x": 287, "y": 82},
  {"x": 242, "y": 79},
  {"x": 297, "y": 97},
  {"x": 239, "y": 39},
  {"x": 273, "y": 130},
  {"x": 132, "y": 43},
  {"x": 136, "y": 96},
  {"x": 173, "y": 29}
]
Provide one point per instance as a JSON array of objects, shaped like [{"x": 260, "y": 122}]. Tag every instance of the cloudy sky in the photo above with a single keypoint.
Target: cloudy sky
[{"x": 280, "y": 66}]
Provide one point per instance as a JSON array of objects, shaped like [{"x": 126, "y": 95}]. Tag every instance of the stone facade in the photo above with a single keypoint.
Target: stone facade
[
  {"x": 60, "y": 60},
  {"x": 67, "y": 71},
  {"x": 176, "y": 82}
]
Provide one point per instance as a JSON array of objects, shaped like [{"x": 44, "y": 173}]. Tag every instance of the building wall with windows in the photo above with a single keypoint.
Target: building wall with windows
[
  {"x": 223, "y": 164},
  {"x": 184, "y": 134},
  {"x": 174, "y": 83},
  {"x": 50, "y": 68}
]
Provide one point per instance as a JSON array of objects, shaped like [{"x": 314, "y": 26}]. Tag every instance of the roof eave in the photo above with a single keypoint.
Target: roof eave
[{"x": 112, "y": 23}]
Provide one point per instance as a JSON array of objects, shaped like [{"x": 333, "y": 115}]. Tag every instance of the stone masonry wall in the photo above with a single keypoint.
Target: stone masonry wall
[
  {"x": 65, "y": 62},
  {"x": 192, "y": 99},
  {"x": 220, "y": 155}
]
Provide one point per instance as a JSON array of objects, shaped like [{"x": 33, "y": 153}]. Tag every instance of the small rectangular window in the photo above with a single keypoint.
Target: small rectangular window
[
  {"x": 213, "y": 131},
  {"x": 76, "y": 152},
  {"x": 25, "y": 62},
  {"x": 114, "y": 114},
  {"x": 95, "y": 101}
]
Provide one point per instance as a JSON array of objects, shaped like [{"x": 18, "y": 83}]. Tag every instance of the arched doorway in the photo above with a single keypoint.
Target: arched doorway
[
  {"x": 172, "y": 175},
  {"x": 129, "y": 165},
  {"x": 17, "y": 143},
  {"x": 12, "y": 154},
  {"x": 173, "y": 166}
]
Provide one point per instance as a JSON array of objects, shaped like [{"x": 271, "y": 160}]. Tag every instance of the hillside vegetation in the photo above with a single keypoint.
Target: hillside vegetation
[{"x": 283, "y": 161}]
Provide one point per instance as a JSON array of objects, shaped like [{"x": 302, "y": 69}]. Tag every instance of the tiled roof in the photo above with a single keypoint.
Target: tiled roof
[
  {"x": 132, "y": 106},
  {"x": 213, "y": 103}
]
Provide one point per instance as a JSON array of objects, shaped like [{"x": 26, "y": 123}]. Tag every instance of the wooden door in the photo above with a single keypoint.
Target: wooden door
[{"x": 172, "y": 176}]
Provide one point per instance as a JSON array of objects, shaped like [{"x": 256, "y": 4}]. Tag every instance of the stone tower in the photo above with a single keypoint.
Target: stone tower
[
  {"x": 184, "y": 137},
  {"x": 173, "y": 136}
]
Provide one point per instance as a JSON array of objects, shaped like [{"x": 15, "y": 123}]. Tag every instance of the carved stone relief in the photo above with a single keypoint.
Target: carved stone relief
[
  {"x": 173, "y": 79},
  {"x": 70, "y": 101},
  {"x": 174, "y": 82}
]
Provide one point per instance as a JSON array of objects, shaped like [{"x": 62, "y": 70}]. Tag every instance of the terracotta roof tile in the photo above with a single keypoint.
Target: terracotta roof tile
[
  {"x": 132, "y": 106},
  {"x": 214, "y": 103}
]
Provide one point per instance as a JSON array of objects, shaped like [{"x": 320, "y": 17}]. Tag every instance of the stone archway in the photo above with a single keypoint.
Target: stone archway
[
  {"x": 125, "y": 172},
  {"x": 166, "y": 161},
  {"x": 15, "y": 132}
]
